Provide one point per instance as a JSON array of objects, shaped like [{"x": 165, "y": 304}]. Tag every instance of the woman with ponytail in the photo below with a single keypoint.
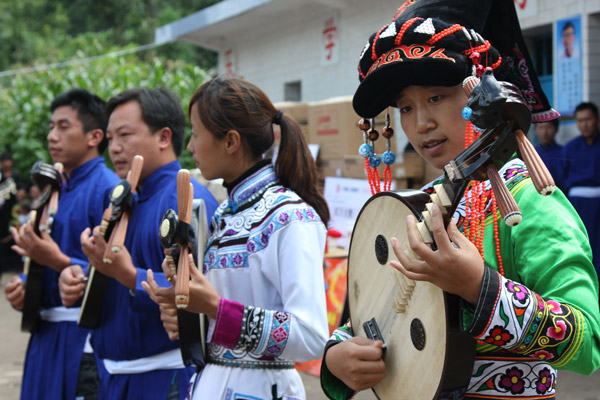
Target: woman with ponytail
[{"x": 263, "y": 287}]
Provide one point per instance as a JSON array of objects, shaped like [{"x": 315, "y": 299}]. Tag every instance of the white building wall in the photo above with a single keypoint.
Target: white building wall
[
  {"x": 289, "y": 50},
  {"x": 294, "y": 53}
]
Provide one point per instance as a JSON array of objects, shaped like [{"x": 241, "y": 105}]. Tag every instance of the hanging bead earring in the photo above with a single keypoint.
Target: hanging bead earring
[
  {"x": 366, "y": 150},
  {"x": 388, "y": 157},
  {"x": 374, "y": 159}
]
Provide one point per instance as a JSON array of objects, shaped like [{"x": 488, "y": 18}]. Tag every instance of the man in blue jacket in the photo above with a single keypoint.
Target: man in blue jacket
[
  {"x": 56, "y": 348},
  {"x": 140, "y": 359}
]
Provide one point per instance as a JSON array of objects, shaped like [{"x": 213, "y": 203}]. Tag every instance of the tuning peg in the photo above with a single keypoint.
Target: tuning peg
[
  {"x": 509, "y": 210},
  {"x": 538, "y": 172}
]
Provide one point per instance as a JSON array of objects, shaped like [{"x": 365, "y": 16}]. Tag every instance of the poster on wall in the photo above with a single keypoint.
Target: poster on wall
[{"x": 569, "y": 80}]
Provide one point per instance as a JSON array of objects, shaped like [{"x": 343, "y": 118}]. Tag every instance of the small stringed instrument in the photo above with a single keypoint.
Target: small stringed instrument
[
  {"x": 114, "y": 226},
  {"x": 425, "y": 350},
  {"x": 178, "y": 238},
  {"x": 117, "y": 237},
  {"x": 49, "y": 179}
]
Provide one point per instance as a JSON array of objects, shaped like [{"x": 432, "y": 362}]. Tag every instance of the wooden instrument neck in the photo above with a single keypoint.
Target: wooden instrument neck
[{"x": 119, "y": 219}]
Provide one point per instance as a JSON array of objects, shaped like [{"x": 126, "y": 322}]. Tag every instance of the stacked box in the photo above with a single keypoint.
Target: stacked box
[
  {"x": 431, "y": 173},
  {"x": 342, "y": 167},
  {"x": 411, "y": 167},
  {"x": 333, "y": 125},
  {"x": 298, "y": 110}
]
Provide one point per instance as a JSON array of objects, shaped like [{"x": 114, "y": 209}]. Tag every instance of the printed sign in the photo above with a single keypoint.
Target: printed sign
[
  {"x": 229, "y": 64},
  {"x": 569, "y": 80},
  {"x": 526, "y": 8},
  {"x": 345, "y": 198}
]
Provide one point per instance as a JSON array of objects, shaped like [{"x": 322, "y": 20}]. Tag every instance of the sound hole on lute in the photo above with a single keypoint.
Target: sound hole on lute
[
  {"x": 417, "y": 334},
  {"x": 381, "y": 249}
]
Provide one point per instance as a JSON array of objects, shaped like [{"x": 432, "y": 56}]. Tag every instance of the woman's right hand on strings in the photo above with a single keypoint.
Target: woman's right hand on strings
[
  {"x": 456, "y": 267},
  {"x": 357, "y": 362},
  {"x": 71, "y": 285}
]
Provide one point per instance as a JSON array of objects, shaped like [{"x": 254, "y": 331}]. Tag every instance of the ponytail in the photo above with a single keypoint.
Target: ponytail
[{"x": 296, "y": 168}]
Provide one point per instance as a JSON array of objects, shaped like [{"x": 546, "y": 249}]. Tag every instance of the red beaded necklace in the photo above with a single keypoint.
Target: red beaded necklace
[{"x": 475, "y": 201}]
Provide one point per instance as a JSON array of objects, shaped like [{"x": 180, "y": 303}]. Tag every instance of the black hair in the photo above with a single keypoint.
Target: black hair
[
  {"x": 568, "y": 25},
  {"x": 160, "y": 109},
  {"x": 90, "y": 111},
  {"x": 587, "y": 105},
  {"x": 225, "y": 104},
  {"x": 554, "y": 123}
]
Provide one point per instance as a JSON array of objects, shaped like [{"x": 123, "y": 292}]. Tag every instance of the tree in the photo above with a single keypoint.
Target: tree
[
  {"x": 25, "y": 114},
  {"x": 42, "y": 32}
]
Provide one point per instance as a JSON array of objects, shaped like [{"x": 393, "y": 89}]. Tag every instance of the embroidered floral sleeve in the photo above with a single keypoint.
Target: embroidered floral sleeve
[
  {"x": 333, "y": 387},
  {"x": 510, "y": 316},
  {"x": 264, "y": 331},
  {"x": 252, "y": 329},
  {"x": 342, "y": 333}
]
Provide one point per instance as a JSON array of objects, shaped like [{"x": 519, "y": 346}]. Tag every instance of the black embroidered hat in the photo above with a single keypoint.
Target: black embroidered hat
[{"x": 439, "y": 43}]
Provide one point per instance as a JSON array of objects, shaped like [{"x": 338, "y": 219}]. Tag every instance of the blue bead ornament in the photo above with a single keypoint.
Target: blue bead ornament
[
  {"x": 365, "y": 150},
  {"x": 388, "y": 158},
  {"x": 466, "y": 113},
  {"x": 374, "y": 161},
  {"x": 478, "y": 129}
]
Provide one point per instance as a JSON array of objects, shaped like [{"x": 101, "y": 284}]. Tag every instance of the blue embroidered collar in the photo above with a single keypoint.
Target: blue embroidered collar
[{"x": 248, "y": 189}]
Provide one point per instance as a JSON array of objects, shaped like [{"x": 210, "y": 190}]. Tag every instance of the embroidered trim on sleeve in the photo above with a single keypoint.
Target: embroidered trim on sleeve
[
  {"x": 253, "y": 321},
  {"x": 486, "y": 303},
  {"x": 264, "y": 332},
  {"x": 342, "y": 333},
  {"x": 523, "y": 322}
]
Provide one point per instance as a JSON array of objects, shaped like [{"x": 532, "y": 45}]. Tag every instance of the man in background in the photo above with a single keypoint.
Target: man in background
[
  {"x": 549, "y": 150},
  {"x": 10, "y": 185},
  {"x": 582, "y": 174}
]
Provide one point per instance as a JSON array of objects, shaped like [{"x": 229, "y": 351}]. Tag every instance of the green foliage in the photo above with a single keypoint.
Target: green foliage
[
  {"x": 41, "y": 32},
  {"x": 25, "y": 114}
]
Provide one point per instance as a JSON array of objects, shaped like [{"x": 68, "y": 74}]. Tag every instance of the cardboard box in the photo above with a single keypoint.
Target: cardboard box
[
  {"x": 329, "y": 167},
  {"x": 297, "y": 109},
  {"x": 431, "y": 173},
  {"x": 333, "y": 125},
  {"x": 341, "y": 167},
  {"x": 354, "y": 167},
  {"x": 401, "y": 183},
  {"x": 412, "y": 166},
  {"x": 409, "y": 174}
]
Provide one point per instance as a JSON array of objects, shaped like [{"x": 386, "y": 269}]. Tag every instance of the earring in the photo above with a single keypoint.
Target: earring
[
  {"x": 373, "y": 160},
  {"x": 388, "y": 157}
]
